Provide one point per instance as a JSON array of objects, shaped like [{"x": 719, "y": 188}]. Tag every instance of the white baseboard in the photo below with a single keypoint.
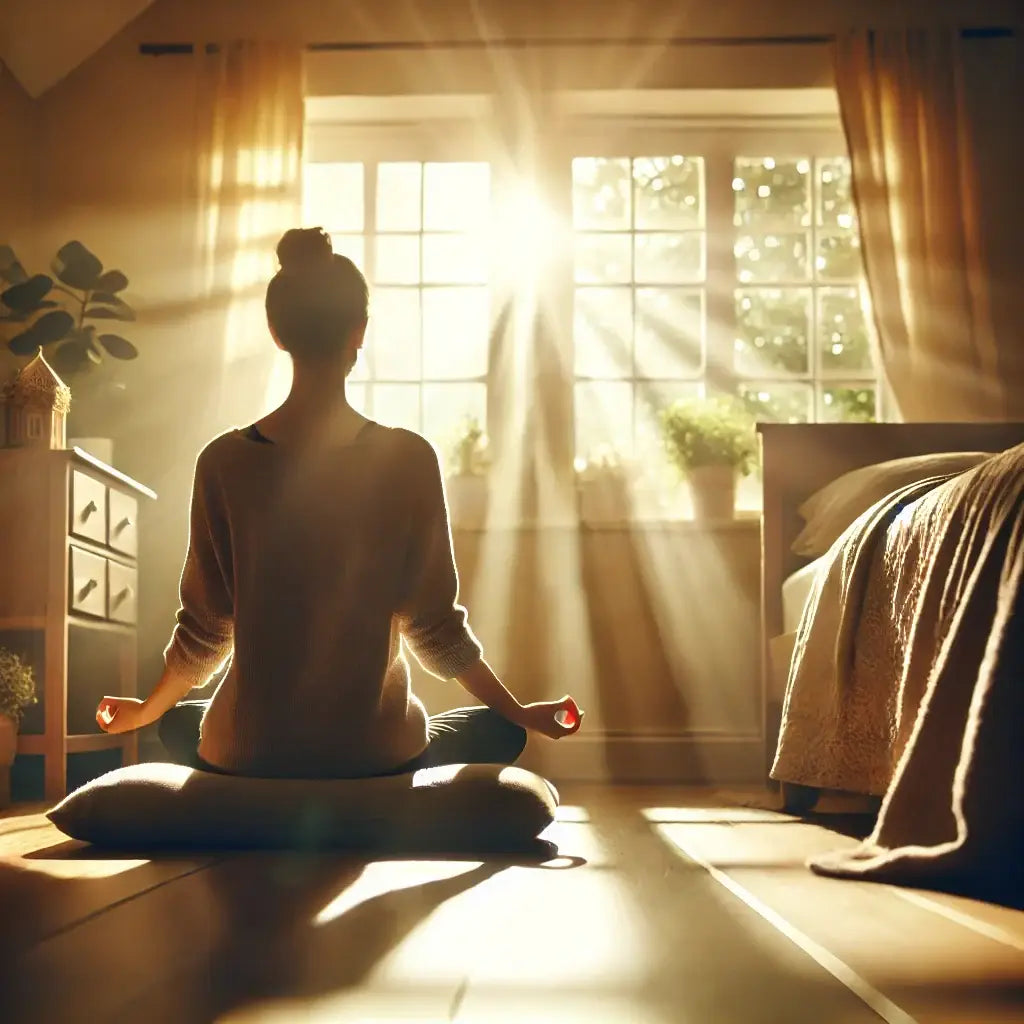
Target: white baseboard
[{"x": 688, "y": 759}]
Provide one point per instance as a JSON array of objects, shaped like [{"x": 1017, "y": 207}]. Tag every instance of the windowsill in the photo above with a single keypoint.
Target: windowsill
[{"x": 743, "y": 520}]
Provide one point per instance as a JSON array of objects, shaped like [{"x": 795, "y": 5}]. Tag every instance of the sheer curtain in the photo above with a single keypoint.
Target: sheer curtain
[
  {"x": 928, "y": 116},
  {"x": 250, "y": 132}
]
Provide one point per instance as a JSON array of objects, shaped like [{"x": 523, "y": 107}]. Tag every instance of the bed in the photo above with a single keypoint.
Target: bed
[{"x": 920, "y": 588}]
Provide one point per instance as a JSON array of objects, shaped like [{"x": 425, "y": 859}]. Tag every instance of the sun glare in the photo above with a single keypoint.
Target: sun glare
[{"x": 527, "y": 233}]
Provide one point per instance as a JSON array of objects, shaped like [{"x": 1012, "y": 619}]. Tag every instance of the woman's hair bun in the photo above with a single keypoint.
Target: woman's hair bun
[{"x": 302, "y": 249}]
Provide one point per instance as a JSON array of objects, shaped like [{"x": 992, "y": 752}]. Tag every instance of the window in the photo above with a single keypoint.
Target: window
[
  {"x": 683, "y": 262},
  {"x": 801, "y": 336},
  {"x": 639, "y": 296},
  {"x": 419, "y": 231}
]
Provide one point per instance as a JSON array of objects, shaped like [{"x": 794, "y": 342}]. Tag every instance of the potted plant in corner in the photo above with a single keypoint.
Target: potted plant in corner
[
  {"x": 602, "y": 487},
  {"x": 467, "y": 480},
  {"x": 710, "y": 442},
  {"x": 65, "y": 316},
  {"x": 17, "y": 692}
]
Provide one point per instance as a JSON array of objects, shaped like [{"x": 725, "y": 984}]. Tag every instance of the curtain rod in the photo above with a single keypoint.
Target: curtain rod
[{"x": 172, "y": 49}]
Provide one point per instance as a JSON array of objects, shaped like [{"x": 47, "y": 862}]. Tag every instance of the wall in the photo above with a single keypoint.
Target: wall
[
  {"x": 17, "y": 179},
  {"x": 113, "y": 153}
]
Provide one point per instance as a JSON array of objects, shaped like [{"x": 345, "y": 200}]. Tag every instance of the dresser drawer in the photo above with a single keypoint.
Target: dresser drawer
[
  {"x": 88, "y": 592},
  {"x": 122, "y": 593},
  {"x": 122, "y": 529},
  {"x": 88, "y": 507}
]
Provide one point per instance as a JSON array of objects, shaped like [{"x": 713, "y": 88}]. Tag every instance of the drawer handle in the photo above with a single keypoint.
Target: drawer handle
[
  {"x": 89, "y": 509},
  {"x": 123, "y": 595},
  {"x": 123, "y": 525},
  {"x": 87, "y": 589}
]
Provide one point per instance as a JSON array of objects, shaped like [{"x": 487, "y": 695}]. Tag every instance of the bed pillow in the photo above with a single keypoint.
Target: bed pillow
[
  {"x": 830, "y": 510},
  {"x": 158, "y": 805}
]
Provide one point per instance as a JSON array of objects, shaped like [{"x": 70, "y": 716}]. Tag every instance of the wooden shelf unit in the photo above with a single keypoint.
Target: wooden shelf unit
[{"x": 69, "y": 562}]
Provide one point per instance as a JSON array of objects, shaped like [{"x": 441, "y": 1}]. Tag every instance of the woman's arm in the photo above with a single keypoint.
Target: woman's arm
[
  {"x": 204, "y": 633},
  {"x": 435, "y": 627}
]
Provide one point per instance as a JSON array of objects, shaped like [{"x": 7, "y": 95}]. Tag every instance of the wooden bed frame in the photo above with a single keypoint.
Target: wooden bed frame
[{"x": 797, "y": 460}]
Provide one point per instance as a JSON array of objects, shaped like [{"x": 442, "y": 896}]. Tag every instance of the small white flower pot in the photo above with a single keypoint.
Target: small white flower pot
[
  {"x": 467, "y": 501},
  {"x": 713, "y": 489}
]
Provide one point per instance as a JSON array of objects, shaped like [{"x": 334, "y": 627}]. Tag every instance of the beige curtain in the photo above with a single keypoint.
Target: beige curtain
[
  {"x": 927, "y": 115},
  {"x": 250, "y": 132}
]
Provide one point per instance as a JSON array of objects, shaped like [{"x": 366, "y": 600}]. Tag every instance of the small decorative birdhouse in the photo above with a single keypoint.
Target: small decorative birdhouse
[{"x": 37, "y": 403}]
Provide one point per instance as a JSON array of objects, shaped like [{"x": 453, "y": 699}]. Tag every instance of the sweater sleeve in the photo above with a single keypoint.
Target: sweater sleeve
[
  {"x": 432, "y": 621},
  {"x": 204, "y": 633}
]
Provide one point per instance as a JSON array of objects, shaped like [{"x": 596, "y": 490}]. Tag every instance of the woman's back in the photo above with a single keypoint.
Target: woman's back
[{"x": 316, "y": 559}]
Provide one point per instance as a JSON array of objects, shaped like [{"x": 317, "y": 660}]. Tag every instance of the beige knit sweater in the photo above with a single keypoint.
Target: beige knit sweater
[{"x": 306, "y": 567}]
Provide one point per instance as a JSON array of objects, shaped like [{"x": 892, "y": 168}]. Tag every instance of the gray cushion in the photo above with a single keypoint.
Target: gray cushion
[{"x": 455, "y": 806}]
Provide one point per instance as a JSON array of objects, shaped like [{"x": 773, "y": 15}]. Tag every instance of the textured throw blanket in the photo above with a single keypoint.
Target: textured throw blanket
[{"x": 908, "y": 679}]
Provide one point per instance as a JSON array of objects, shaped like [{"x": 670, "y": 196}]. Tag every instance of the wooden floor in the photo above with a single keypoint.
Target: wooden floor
[{"x": 666, "y": 906}]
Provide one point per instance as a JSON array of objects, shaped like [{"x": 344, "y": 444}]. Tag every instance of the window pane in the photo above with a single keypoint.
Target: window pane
[
  {"x": 398, "y": 196},
  {"x": 773, "y": 326},
  {"x": 835, "y": 193},
  {"x": 394, "y": 334},
  {"x": 838, "y": 256},
  {"x": 842, "y": 330},
  {"x": 604, "y": 259},
  {"x": 446, "y": 407},
  {"x": 669, "y": 332},
  {"x": 778, "y": 403},
  {"x": 600, "y": 193},
  {"x": 398, "y": 259},
  {"x": 456, "y": 330},
  {"x": 604, "y": 418},
  {"x": 456, "y": 196},
  {"x": 356, "y": 395},
  {"x": 332, "y": 196},
  {"x": 769, "y": 191},
  {"x": 397, "y": 405},
  {"x": 352, "y": 246},
  {"x": 669, "y": 259},
  {"x": 851, "y": 404},
  {"x": 668, "y": 192},
  {"x": 454, "y": 259},
  {"x": 772, "y": 257},
  {"x": 603, "y": 332}
]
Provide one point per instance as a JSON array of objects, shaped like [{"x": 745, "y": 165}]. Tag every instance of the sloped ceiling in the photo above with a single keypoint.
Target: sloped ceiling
[{"x": 41, "y": 41}]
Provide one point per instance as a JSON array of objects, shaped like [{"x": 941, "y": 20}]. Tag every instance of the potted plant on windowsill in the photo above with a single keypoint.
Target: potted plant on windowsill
[
  {"x": 467, "y": 477},
  {"x": 65, "y": 317},
  {"x": 711, "y": 442},
  {"x": 602, "y": 487},
  {"x": 17, "y": 692}
]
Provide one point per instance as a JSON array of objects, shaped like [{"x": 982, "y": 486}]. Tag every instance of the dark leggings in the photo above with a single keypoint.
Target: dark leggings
[{"x": 463, "y": 736}]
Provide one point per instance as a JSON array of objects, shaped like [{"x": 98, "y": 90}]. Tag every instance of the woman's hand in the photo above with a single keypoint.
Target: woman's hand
[
  {"x": 123, "y": 714},
  {"x": 552, "y": 718}
]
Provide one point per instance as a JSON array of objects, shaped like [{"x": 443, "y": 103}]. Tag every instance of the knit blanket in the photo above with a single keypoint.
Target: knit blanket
[{"x": 907, "y": 681}]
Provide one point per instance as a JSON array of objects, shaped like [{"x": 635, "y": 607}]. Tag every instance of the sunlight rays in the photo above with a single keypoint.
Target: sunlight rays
[{"x": 380, "y": 877}]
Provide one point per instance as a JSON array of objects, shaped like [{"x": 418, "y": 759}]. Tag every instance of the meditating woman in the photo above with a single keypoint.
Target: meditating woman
[{"x": 319, "y": 540}]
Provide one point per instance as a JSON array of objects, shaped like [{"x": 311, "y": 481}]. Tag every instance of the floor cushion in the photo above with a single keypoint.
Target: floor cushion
[{"x": 454, "y": 806}]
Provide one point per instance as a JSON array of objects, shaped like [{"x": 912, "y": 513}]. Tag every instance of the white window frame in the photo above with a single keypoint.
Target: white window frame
[
  {"x": 558, "y": 139},
  {"x": 719, "y": 141}
]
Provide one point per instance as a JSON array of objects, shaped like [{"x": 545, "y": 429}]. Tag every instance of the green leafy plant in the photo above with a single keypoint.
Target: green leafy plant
[
  {"x": 708, "y": 432},
  {"x": 17, "y": 685},
  {"x": 467, "y": 453},
  {"x": 64, "y": 314}
]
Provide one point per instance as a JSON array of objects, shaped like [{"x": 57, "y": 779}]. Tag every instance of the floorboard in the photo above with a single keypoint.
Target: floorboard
[{"x": 665, "y": 906}]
